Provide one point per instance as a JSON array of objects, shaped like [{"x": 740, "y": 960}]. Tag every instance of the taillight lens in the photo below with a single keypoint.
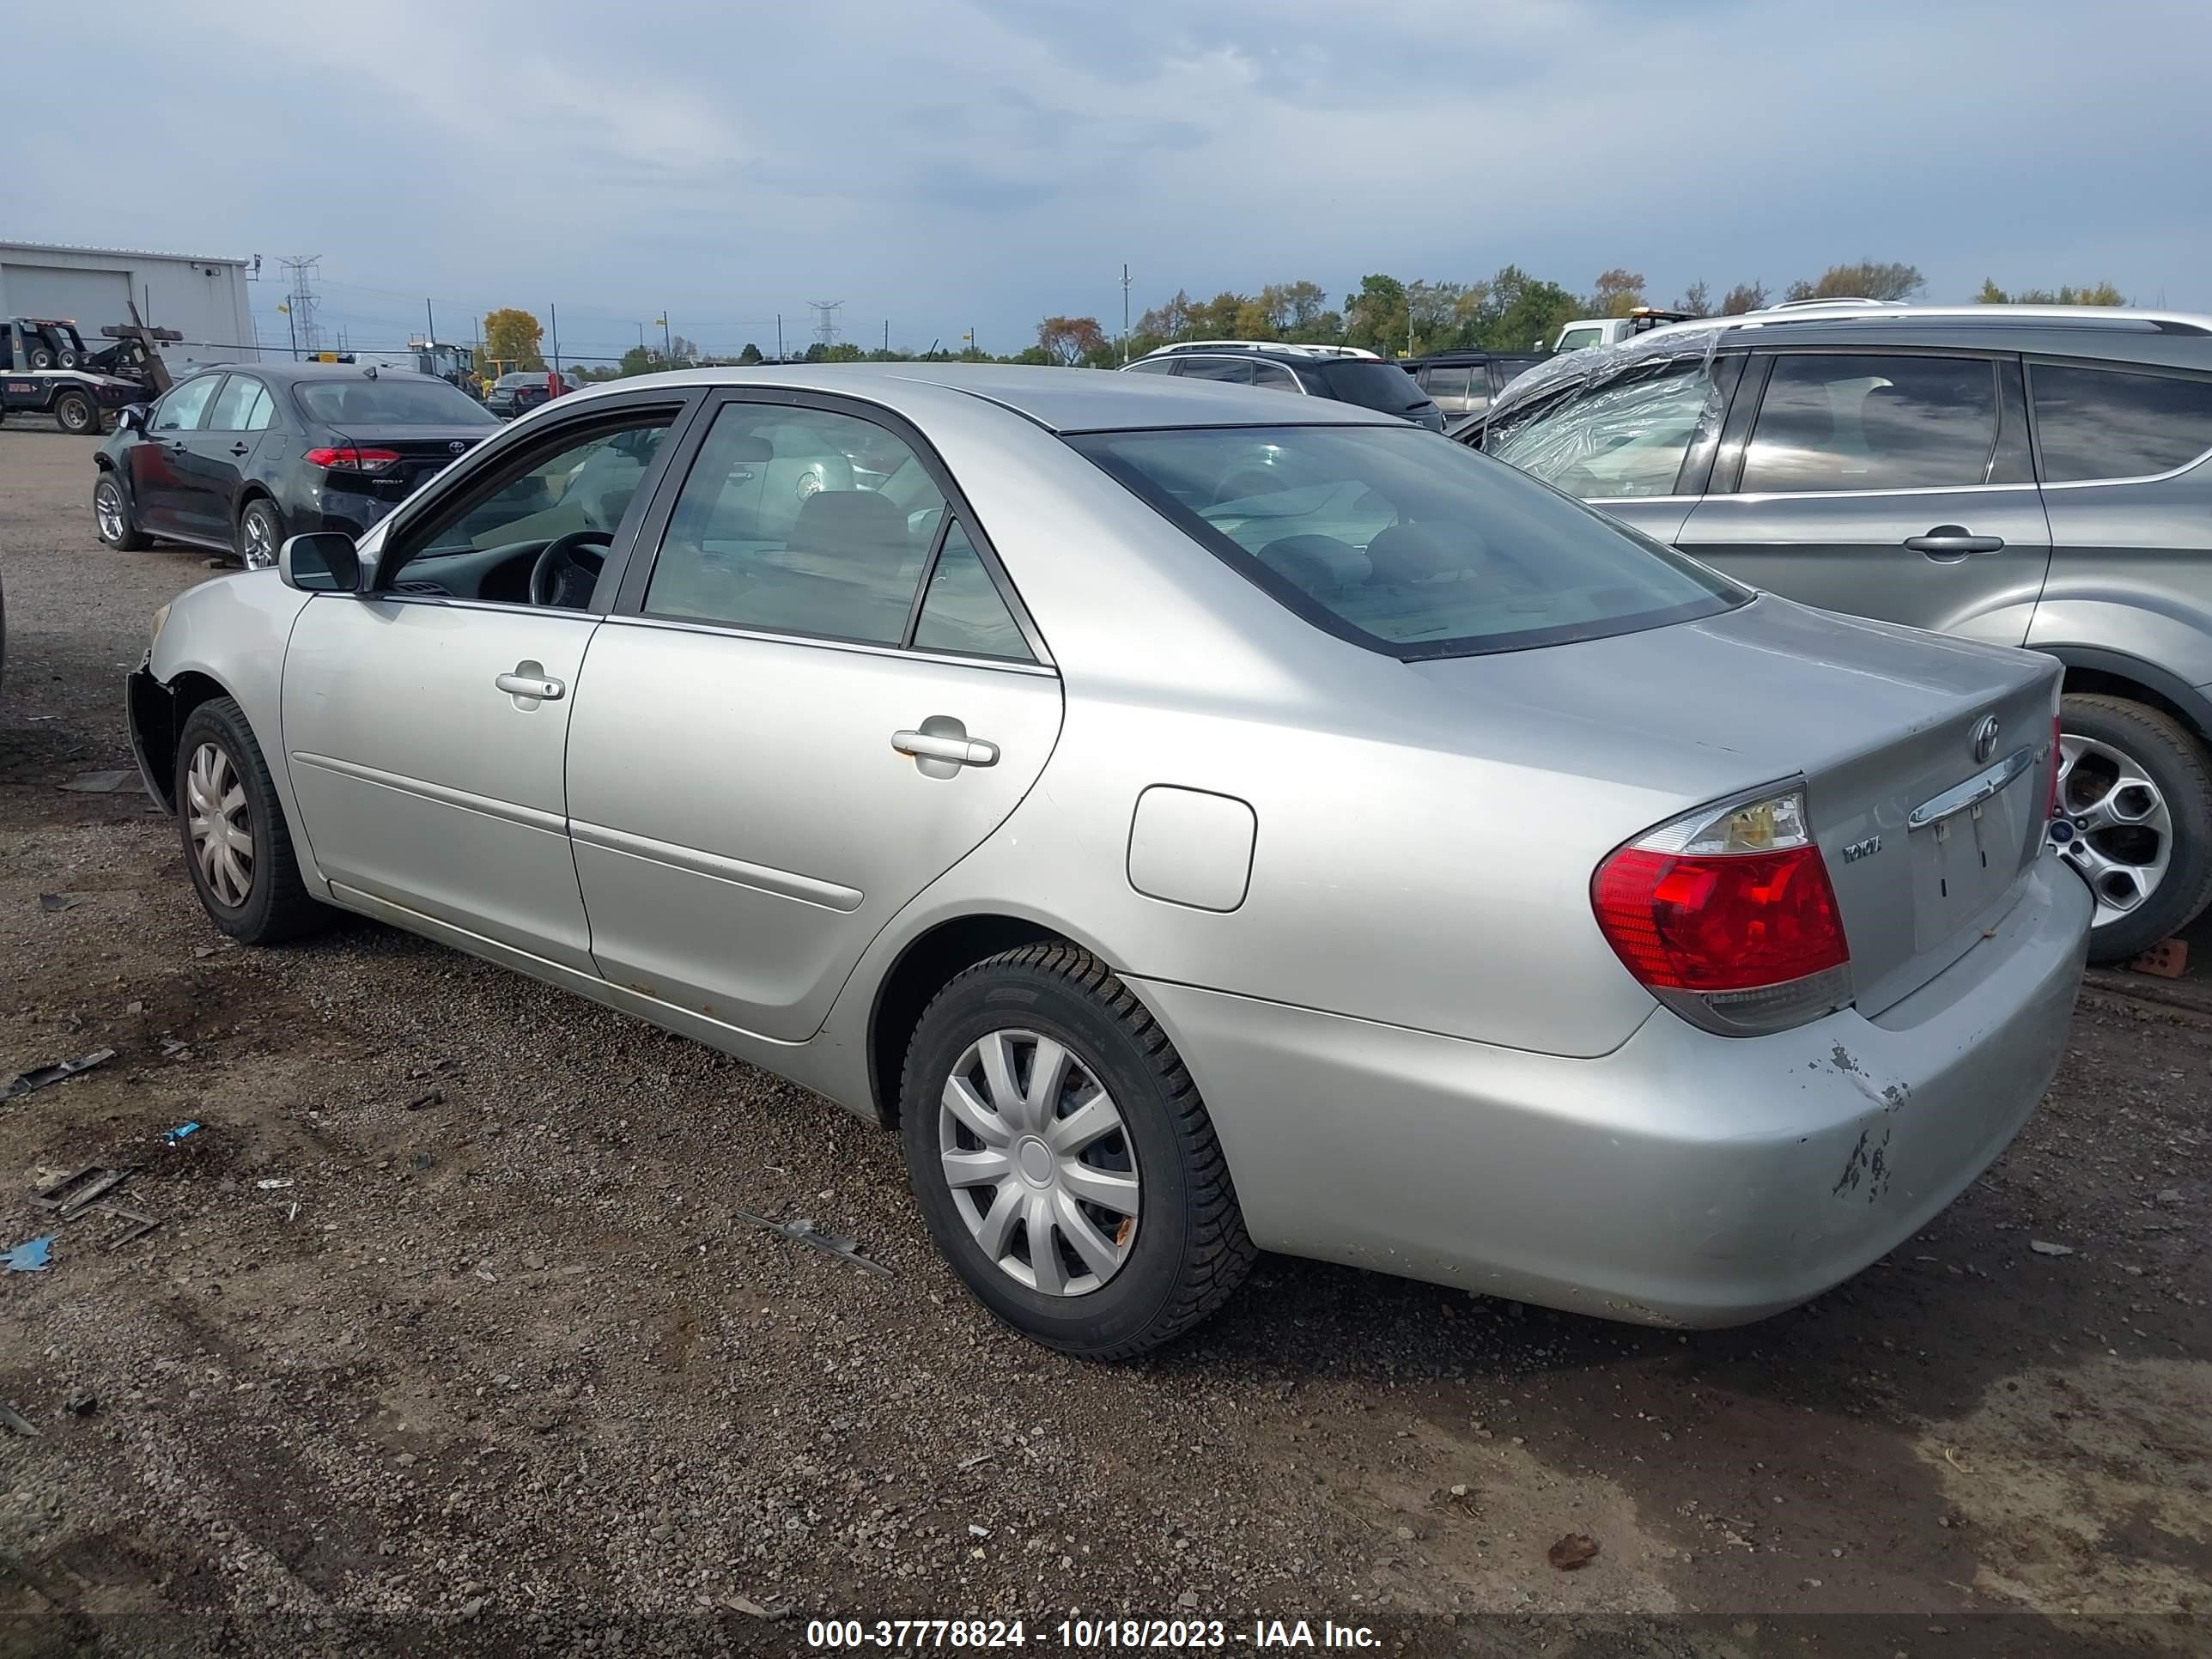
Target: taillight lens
[
  {"x": 352, "y": 460},
  {"x": 1727, "y": 915}
]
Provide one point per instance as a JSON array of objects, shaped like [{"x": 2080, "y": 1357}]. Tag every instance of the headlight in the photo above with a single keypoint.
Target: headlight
[{"x": 159, "y": 617}]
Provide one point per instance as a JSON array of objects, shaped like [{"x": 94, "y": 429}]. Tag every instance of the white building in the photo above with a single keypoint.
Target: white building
[{"x": 203, "y": 299}]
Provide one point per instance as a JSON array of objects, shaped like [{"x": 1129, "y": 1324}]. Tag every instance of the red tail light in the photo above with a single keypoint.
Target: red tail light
[
  {"x": 1728, "y": 915},
  {"x": 352, "y": 460}
]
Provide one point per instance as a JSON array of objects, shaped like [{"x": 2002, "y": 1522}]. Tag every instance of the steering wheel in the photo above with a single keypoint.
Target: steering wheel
[{"x": 568, "y": 569}]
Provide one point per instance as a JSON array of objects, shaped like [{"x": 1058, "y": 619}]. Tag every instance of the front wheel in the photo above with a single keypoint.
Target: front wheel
[
  {"x": 237, "y": 845},
  {"x": 2134, "y": 819},
  {"x": 1063, "y": 1160},
  {"x": 111, "y": 516}
]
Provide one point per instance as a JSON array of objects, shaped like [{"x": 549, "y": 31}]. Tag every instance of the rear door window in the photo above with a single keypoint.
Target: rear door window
[
  {"x": 1382, "y": 536},
  {"x": 2111, "y": 423},
  {"x": 1152, "y": 366},
  {"x": 244, "y": 406},
  {"x": 1373, "y": 384},
  {"x": 1275, "y": 377},
  {"x": 1237, "y": 371},
  {"x": 1835, "y": 422}
]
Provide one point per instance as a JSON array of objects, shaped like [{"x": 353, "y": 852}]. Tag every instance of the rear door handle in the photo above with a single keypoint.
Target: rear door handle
[
  {"x": 961, "y": 751},
  {"x": 237, "y": 449},
  {"x": 1950, "y": 540},
  {"x": 530, "y": 680}
]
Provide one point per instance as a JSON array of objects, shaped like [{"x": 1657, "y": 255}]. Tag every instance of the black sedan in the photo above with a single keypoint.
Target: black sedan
[
  {"x": 240, "y": 457},
  {"x": 519, "y": 391}
]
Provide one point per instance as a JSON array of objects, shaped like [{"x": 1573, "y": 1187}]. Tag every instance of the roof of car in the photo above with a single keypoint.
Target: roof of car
[
  {"x": 2110, "y": 333},
  {"x": 284, "y": 370},
  {"x": 1058, "y": 399}
]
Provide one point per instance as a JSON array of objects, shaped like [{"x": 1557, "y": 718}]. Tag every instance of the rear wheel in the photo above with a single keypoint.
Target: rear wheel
[
  {"x": 2134, "y": 819},
  {"x": 41, "y": 356},
  {"x": 1063, "y": 1160},
  {"x": 74, "y": 412},
  {"x": 260, "y": 533},
  {"x": 237, "y": 846},
  {"x": 111, "y": 516}
]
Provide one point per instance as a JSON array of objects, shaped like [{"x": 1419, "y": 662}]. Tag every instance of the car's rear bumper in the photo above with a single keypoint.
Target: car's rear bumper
[{"x": 1684, "y": 1179}]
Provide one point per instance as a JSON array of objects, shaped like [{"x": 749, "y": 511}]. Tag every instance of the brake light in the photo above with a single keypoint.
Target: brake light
[
  {"x": 1727, "y": 915},
  {"x": 352, "y": 460}
]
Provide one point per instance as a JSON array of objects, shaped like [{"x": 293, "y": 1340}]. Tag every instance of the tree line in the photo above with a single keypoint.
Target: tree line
[{"x": 1509, "y": 310}]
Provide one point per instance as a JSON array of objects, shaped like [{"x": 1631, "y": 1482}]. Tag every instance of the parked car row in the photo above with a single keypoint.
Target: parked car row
[
  {"x": 2016, "y": 476},
  {"x": 1200, "y": 820}
]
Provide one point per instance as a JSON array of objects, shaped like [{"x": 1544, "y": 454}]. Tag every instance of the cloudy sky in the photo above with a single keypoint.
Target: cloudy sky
[{"x": 941, "y": 164}]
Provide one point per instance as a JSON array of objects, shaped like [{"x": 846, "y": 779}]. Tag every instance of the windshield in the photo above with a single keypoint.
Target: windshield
[
  {"x": 1405, "y": 544},
  {"x": 364, "y": 402}
]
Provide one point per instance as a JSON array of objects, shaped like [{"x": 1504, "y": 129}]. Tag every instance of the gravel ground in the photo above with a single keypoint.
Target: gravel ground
[{"x": 499, "y": 1366}]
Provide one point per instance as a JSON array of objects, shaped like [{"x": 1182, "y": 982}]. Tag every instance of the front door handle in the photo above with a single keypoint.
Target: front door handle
[
  {"x": 933, "y": 746},
  {"x": 529, "y": 681},
  {"x": 1949, "y": 541},
  {"x": 237, "y": 449}
]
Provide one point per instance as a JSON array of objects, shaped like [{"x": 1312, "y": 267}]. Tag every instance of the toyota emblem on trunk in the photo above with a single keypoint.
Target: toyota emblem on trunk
[{"x": 1985, "y": 738}]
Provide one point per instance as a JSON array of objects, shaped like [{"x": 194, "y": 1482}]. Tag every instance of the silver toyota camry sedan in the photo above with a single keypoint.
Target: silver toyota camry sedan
[{"x": 1201, "y": 821}]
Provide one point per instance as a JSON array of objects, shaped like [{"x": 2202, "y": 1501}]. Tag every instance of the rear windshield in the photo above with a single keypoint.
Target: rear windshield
[
  {"x": 1374, "y": 385},
  {"x": 365, "y": 402},
  {"x": 1405, "y": 543}
]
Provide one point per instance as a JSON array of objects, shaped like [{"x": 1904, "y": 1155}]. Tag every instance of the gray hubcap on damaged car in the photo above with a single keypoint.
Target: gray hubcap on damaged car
[
  {"x": 221, "y": 830},
  {"x": 1039, "y": 1163},
  {"x": 2120, "y": 831},
  {"x": 107, "y": 511}
]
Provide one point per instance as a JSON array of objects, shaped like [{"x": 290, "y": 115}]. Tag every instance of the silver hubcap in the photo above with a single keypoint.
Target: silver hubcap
[
  {"x": 107, "y": 511},
  {"x": 2122, "y": 830},
  {"x": 222, "y": 833},
  {"x": 1039, "y": 1163},
  {"x": 260, "y": 541}
]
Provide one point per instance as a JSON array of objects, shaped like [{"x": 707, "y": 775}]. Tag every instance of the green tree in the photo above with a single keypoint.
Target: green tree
[
  {"x": 642, "y": 360},
  {"x": 1292, "y": 307},
  {"x": 1618, "y": 292},
  {"x": 1525, "y": 311},
  {"x": 751, "y": 354},
  {"x": 1870, "y": 279},
  {"x": 1375, "y": 318},
  {"x": 1744, "y": 296},
  {"x": 514, "y": 337},
  {"x": 1433, "y": 309},
  {"x": 2099, "y": 294},
  {"x": 843, "y": 352}
]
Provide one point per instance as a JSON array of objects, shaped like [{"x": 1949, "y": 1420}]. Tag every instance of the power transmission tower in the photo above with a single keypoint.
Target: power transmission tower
[
  {"x": 825, "y": 320},
  {"x": 302, "y": 270}
]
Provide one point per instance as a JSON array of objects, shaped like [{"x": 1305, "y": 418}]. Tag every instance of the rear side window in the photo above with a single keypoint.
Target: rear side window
[
  {"x": 962, "y": 611},
  {"x": 1575, "y": 339},
  {"x": 1151, "y": 366},
  {"x": 2107, "y": 423},
  {"x": 1385, "y": 537},
  {"x": 1834, "y": 422},
  {"x": 1619, "y": 439},
  {"x": 1449, "y": 382},
  {"x": 1234, "y": 370},
  {"x": 243, "y": 406},
  {"x": 1372, "y": 384}
]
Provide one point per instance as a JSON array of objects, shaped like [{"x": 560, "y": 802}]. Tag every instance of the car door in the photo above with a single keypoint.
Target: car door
[
  {"x": 426, "y": 721},
  {"x": 218, "y": 452},
  {"x": 161, "y": 482},
  {"x": 1888, "y": 483},
  {"x": 794, "y": 723}
]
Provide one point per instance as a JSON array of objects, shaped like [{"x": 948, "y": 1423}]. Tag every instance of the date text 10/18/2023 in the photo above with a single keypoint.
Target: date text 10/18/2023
[{"x": 1085, "y": 1635}]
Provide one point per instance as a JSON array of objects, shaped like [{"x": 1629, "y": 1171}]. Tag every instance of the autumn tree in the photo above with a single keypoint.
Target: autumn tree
[
  {"x": 1292, "y": 307},
  {"x": 1744, "y": 296},
  {"x": 1696, "y": 301},
  {"x": 514, "y": 337},
  {"x": 1618, "y": 292},
  {"x": 2100, "y": 293},
  {"x": 1069, "y": 340}
]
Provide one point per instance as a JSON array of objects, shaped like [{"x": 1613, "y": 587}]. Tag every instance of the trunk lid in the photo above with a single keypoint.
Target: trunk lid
[
  {"x": 424, "y": 451},
  {"x": 1882, "y": 722}
]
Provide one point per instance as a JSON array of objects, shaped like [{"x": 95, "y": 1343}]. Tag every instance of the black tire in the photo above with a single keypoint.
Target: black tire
[
  {"x": 130, "y": 538},
  {"x": 75, "y": 412},
  {"x": 41, "y": 356},
  {"x": 277, "y": 905},
  {"x": 260, "y": 515},
  {"x": 2173, "y": 761},
  {"x": 1190, "y": 1250}
]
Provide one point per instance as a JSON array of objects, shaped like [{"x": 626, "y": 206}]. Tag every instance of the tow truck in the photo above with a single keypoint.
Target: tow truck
[{"x": 46, "y": 368}]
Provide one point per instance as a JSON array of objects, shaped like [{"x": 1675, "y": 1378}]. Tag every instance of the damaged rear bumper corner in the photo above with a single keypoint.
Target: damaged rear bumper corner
[{"x": 149, "y": 710}]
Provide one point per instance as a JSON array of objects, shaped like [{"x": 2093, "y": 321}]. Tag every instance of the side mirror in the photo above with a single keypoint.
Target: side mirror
[
  {"x": 133, "y": 417},
  {"x": 322, "y": 562}
]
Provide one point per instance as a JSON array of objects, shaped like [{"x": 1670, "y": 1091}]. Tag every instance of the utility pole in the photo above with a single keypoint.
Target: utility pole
[
  {"x": 779, "y": 337},
  {"x": 887, "y": 336},
  {"x": 553, "y": 312},
  {"x": 667, "y": 344},
  {"x": 1125, "y": 315},
  {"x": 429, "y": 324}
]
